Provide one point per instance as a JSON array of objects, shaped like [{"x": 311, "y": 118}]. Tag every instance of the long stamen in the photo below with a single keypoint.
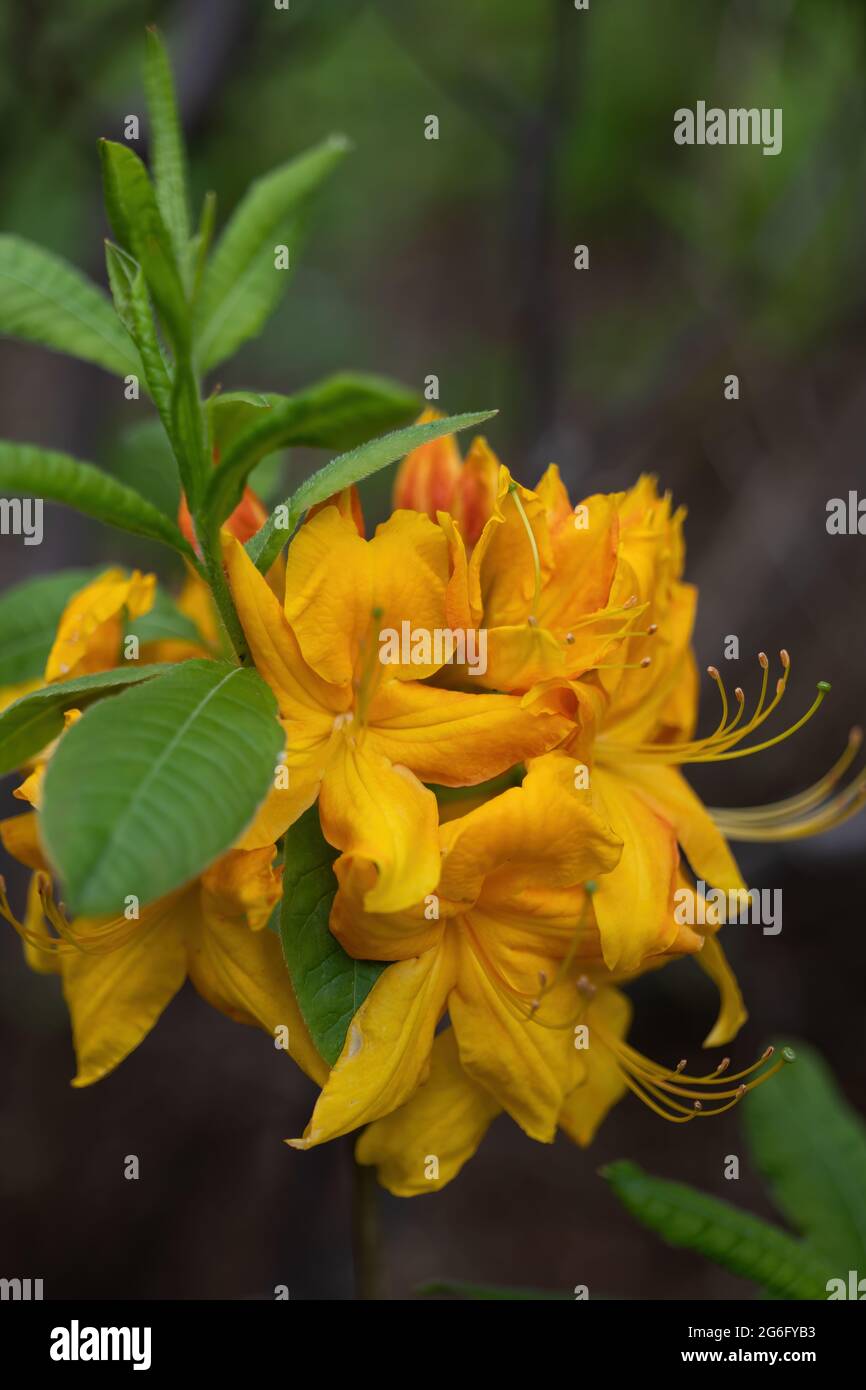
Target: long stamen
[
  {"x": 533, "y": 545},
  {"x": 722, "y": 744},
  {"x": 665, "y": 1091},
  {"x": 368, "y": 677}
]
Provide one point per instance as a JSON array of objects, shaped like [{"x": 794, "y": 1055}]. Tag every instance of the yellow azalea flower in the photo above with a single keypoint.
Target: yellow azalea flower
[
  {"x": 91, "y": 628},
  {"x": 512, "y": 953},
  {"x": 539, "y": 582},
  {"x": 118, "y": 975},
  {"x": 506, "y": 913},
  {"x": 449, "y": 1114},
  {"x": 434, "y": 478},
  {"x": 423, "y": 1144},
  {"x": 363, "y": 735},
  {"x": 635, "y": 724}
]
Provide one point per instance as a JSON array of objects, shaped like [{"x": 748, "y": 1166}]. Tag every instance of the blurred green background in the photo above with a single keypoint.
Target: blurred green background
[{"x": 456, "y": 257}]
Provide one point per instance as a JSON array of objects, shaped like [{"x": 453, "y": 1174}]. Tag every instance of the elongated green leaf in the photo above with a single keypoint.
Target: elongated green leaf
[
  {"x": 34, "y": 721},
  {"x": 132, "y": 303},
  {"x": 734, "y": 1239},
  {"x": 29, "y": 614},
  {"x": 45, "y": 300},
  {"x": 264, "y": 547},
  {"x": 241, "y": 285},
  {"x": 492, "y": 1293},
  {"x": 147, "y": 789},
  {"x": 56, "y": 477},
  {"x": 330, "y": 986},
  {"x": 167, "y": 153},
  {"x": 811, "y": 1147},
  {"x": 199, "y": 249},
  {"x": 138, "y": 225},
  {"x": 339, "y": 413}
]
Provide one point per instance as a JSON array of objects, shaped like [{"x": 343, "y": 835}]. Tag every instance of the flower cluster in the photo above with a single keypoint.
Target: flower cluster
[{"x": 510, "y": 835}]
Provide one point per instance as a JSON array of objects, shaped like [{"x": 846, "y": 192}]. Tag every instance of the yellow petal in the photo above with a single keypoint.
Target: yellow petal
[
  {"x": 20, "y": 836},
  {"x": 457, "y": 739},
  {"x": 243, "y": 884},
  {"x": 732, "y": 1009},
  {"x": 116, "y": 997},
  {"x": 666, "y": 790},
  {"x": 341, "y": 590},
  {"x": 90, "y": 630},
  {"x": 243, "y": 974},
  {"x": 387, "y": 936},
  {"x": 544, "y": 832},
  {"x": 503, "y": 563},
  {"x": 603, "y": 1085},
  {"x": 445, "y": 1121},
  {"x": 380, "y": 812},
  {"x": 387, "y": 1050},
  {"x": 307, "y": 701},
  {"x": 528, "y": 1068},
  {"x": 283, "y": 805},
  {"x": 633, "y": 904}
]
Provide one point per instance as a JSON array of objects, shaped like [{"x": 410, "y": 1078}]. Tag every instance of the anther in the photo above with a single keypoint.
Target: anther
[
  {"x": 713, "y": 671},
  {"x": 784, "y": 658},
  {"x": 681, "y": 1065},
  {"x": 532, "y": 620},
  {"x": 763, "y": 659},
  {"x": 766, "y": 1055},
  {"x": 652, "y": 629},
  {"x": 698, "y": 1105},
  {"x": 569, "y": 637},
  {"x": 739, "y": 694},
  {"x": 585, "y": 986},
  {"x": 542, "y": 978},
  {"x": 630, "y": 602},
  {"x": 647, "y": 661},
  {"x": 723, "y": 1066}
]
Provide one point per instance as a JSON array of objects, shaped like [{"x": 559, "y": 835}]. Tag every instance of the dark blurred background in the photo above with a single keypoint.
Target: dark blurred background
[{"x": 456, "y": 257}]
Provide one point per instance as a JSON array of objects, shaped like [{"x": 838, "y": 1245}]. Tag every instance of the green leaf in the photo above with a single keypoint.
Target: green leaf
[
  {"x": 138, "y": 225},
  {"x": 811, "y": 1147},
  {"x": 738, "y": 1241},
  {"x": 42, "y": 473},
  {"x": 341, "y": 412},
  {"x": 45, "y": 300},
  {"x": 34, "y": 721},
  {"x": 241, "y": 286},
  {"x": 264, "y": 547},
  {"x": 200, "y": 244},
  {"x": 29, "y": 614},
  {"x": 167, "y": 153},
  {"x": 492, "y": 1293},
  {"x": 146, "y": 790},
  {"x": 132, "y": 303},
  {"x": 330, "y": 986}
]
